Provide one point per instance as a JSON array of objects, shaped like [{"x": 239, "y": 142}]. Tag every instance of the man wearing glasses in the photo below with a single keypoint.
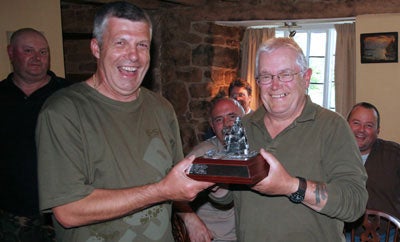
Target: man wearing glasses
[{"x": 316, "y": 180}]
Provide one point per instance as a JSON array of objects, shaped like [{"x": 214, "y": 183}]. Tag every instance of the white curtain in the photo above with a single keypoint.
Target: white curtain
[
  {"x": 345, "y": 68},
  {"x": 251, "y": 41}
]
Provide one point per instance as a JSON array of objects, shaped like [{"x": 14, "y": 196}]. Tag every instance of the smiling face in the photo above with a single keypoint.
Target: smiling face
[
  {"x": 223, "y": 115},
  {"x": 123, "y": 59},
  {"x": 242, "y": 96},
  {"x": 364, "y": 124},
  {"x": 30, "y": 57},
  {"x": 283, "y": 100}
]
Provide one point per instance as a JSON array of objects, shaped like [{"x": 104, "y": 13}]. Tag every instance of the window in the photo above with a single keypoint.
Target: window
[{"x": 318, "y": 43}]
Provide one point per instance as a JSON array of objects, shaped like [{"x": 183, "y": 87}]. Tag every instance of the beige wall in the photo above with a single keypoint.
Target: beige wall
[
  {"x": 380, "y": 83},
  {"x": 45, "y": 17}
]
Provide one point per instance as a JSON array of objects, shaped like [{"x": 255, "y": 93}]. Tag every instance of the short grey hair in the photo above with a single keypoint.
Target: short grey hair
[
  {"x": 119, "y": 9},
  {"x": 273, "y": 44}
]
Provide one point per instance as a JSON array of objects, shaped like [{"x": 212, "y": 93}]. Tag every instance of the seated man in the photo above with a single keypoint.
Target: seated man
[
  {"x": 381, "y": 159},
  {"x": 219, "y": 219}
]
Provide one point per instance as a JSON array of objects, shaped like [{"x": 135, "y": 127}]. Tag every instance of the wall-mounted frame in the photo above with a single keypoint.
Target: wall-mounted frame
[{"x": 379, "y": 47}]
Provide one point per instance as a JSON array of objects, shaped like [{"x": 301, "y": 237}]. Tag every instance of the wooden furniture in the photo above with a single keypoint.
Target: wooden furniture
[
  {"x": 178, "y": 229},
  {"x": 375, "y": 223}
]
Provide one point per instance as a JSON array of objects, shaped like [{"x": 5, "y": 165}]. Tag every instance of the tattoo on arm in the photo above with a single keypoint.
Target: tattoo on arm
[{"x": 320, "y": 192}]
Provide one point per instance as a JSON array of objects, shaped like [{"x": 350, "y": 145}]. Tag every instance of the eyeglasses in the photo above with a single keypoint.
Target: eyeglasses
[{"x": 283, "y": 77}]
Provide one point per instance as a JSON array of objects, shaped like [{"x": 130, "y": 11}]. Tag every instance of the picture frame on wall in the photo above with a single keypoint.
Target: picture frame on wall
[{"x": 379, "y": 47}]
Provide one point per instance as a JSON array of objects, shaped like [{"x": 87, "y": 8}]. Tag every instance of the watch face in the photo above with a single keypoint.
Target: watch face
[{"x": 296, "y": 197}]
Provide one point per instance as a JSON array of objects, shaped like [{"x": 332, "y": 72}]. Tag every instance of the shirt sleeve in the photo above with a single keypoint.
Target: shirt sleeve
[
  {"x": 346, "y": 176},
  {"x": 63, "y": 177}
]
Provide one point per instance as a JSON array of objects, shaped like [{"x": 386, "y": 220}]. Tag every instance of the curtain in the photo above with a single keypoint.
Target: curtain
[
  {"x": 252, "y": 39},
  {"x": 345, "y": 68}
]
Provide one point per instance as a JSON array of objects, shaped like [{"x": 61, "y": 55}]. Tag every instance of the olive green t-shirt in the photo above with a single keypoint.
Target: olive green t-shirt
[{"x": 87, "y": 141}]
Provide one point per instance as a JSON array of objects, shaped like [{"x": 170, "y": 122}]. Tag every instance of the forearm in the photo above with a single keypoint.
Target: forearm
[
  {"x": 104, "y": 204},
  {"x": 196, "y": 228},
  {"x": 316, "y": 195}
]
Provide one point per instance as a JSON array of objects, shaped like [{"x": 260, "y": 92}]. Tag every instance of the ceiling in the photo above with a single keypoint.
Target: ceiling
[
  {"x": 151, "y": 4},
  {"x": 165, "y": 4}
]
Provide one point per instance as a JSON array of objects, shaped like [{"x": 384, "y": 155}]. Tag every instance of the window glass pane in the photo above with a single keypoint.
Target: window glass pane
[
  {"x": 318, "y": 44},
  {"x": 279, "y": 34},
  {"x": 301, "y": 39},
  {"x": 318, "y": 56},
  {"x": 316, "y": 92},
  {"x": 318, "y": 67}
]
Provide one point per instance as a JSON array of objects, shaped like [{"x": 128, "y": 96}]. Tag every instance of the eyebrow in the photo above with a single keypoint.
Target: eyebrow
[
  {"x": 219, "y": 116},
  {"x": 281, "y": 71}
]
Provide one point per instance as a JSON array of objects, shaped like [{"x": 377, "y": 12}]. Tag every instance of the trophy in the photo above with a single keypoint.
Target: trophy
[{"x": 235, "y": 165}]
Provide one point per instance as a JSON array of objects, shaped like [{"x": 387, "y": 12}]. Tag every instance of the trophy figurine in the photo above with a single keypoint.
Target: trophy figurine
[{"x": 237, "y": 164}]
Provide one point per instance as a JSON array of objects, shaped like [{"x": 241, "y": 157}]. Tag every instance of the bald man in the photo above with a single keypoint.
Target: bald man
[{"x": 22, "y": 94}]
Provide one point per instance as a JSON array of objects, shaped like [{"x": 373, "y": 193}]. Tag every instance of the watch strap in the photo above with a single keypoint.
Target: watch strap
[{"x": 298, "y": 196}]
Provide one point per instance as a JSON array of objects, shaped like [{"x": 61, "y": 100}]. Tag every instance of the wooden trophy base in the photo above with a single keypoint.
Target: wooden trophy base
[{"x": 228, "y": 171}]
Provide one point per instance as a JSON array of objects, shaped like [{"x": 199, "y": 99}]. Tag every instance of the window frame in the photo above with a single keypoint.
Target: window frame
[{"x": 328, "y": 93}]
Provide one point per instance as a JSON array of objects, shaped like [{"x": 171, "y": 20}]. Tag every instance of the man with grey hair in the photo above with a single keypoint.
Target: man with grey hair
[
  {"x": 316, "y": 180},
  {"x": 106, "y": 145}
]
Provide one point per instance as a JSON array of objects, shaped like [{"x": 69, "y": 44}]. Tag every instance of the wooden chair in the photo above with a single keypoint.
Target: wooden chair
[
  {"x": 179, "y": 229},
  {"x": 373, "y": 224}
]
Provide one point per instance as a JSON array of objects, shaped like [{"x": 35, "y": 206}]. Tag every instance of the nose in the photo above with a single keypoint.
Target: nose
[
  {"x": 359, "y": 128},
  {"x": 275, "y": 82},
  {"x": 37, "y": 55},
  {"x": 133, "y": 53},
  {"x": 363, "y": 127},
  {"x": 228, "y": 122}
]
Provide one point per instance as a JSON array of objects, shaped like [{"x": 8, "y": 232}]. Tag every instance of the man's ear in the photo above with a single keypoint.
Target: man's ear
[
  {"x": 307, "y": 77},
  {"x": 94, "y": 46},
  {"x": 10, "y": 50}
]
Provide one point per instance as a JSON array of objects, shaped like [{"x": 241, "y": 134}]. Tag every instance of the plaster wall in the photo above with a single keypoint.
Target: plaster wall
[
  {"x": 379, "y": 83},
  {"x": 45, "y": 17}
]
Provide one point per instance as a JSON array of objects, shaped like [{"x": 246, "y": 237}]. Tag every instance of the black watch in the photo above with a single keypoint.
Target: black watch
[{"x": 298, "y": 196}]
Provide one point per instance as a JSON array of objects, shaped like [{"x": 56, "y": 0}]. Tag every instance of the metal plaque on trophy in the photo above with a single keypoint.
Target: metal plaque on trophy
[{"x": 235, "y": 165}]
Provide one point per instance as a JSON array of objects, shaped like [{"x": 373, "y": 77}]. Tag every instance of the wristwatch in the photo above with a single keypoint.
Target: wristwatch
[{"x": 298, "y": 196}]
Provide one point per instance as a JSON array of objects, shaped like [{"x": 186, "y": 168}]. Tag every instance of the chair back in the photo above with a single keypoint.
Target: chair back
[
  {"x": 179, "y": 229},
  {"x": 374, "y": 224}
]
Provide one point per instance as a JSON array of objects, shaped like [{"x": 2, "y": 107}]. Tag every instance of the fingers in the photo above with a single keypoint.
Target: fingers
[
  {"x": 185, "y": 163},
  {"x": 271, "y": 160},
  {"x": 184, "y": 188}
]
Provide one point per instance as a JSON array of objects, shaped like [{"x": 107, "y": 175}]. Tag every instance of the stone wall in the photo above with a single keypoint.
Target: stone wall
[
  {"x": 199, "y": 60},
  {"x": 192, "y": 58}
]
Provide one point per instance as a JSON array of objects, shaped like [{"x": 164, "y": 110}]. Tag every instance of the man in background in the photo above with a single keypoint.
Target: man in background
[
  {"x": 22, "y": 94},
  {"x": 381, "y": 159},
  {"x": 219, "y": 219},
  {"x": 240, "y": 90}
]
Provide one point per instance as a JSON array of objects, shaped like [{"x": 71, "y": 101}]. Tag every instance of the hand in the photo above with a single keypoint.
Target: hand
[
  {"x": 177, "y": 186},
  {"x": 197, "y": 230},
  {"x": 278, "y": 181}
]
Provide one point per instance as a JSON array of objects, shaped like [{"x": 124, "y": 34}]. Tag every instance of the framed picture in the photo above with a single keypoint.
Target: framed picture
[{"x": 379, "y": 47}]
